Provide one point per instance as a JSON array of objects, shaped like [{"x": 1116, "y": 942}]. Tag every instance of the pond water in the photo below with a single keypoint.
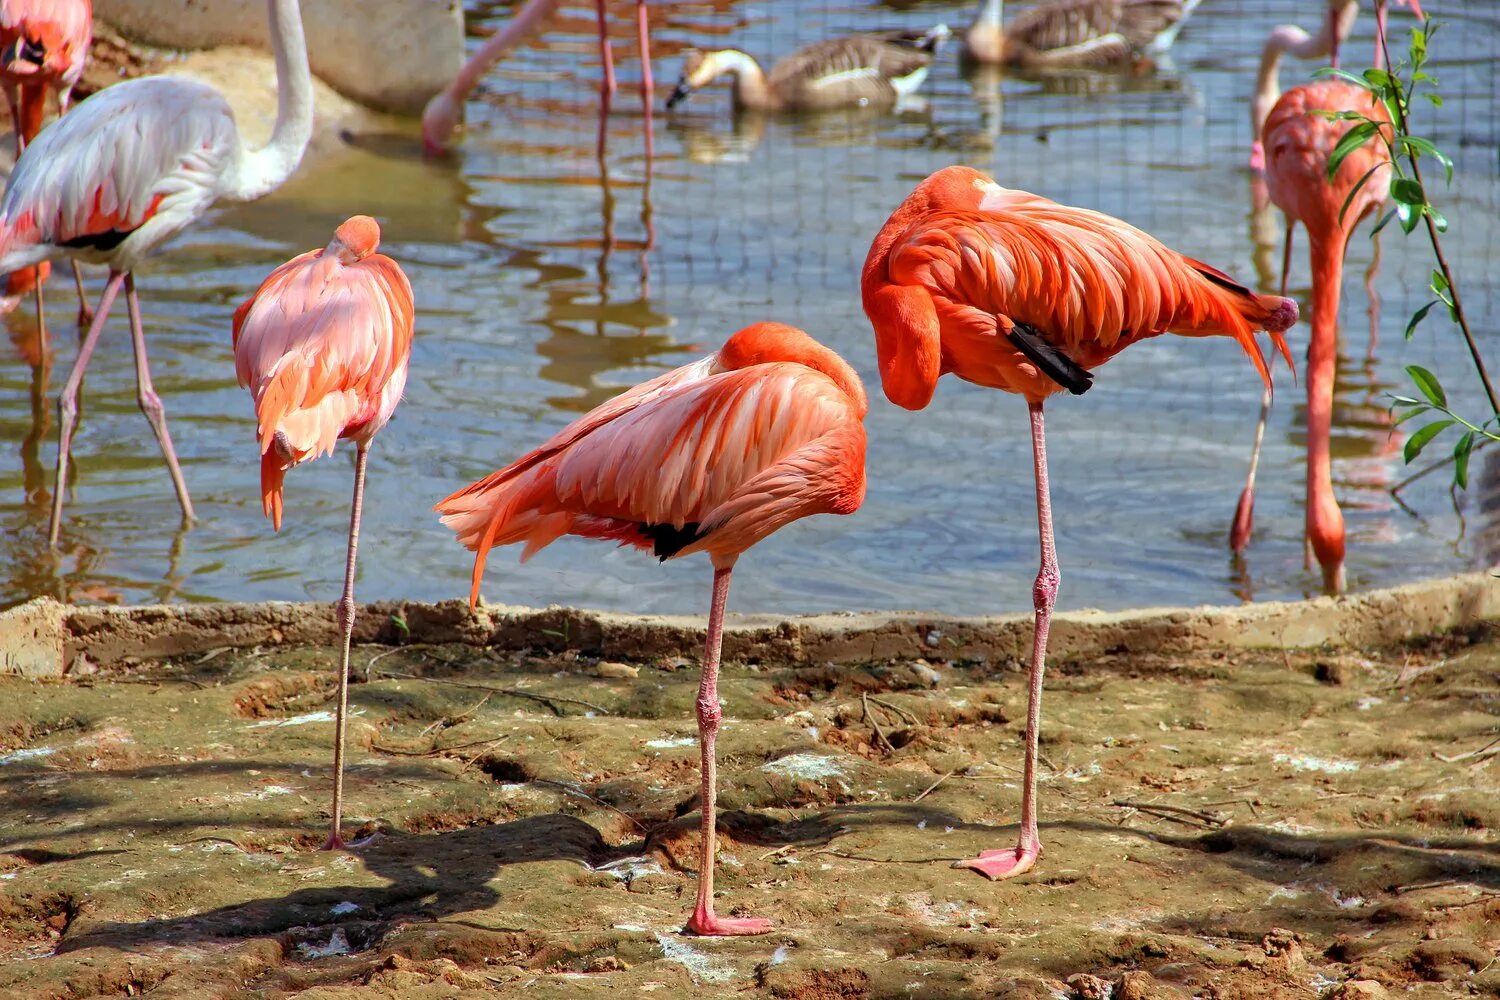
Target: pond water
[{"x": 548, "y": 280}]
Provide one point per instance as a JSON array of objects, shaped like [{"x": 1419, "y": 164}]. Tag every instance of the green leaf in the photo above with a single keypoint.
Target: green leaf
[
  {"x": 1351, "y": 140},
  {"x": 1417, "y": 317},
  {"x": 1407, "y": 217},
  {"x": 1349, "y": 199},
  {"x": 400, "y": 623},
  {"x": 1415, "y": 411},
  {"x": 1417, "y": 145},
  {"x": 1406, "y": 191},
  {"x": 1377, "y": 77},
  {"x": 1328, "y": 72},
  {"x": 1428, "y": 384},
  {"x": 1439, "y": 282},
  {"x": 1380, "y": 223},
  {"x": 1436, "y": 99},
  {"x": 1461, "y": 449},
  {"x": 1439, "y": 220},
  {"x": 1423, "y": 436}
]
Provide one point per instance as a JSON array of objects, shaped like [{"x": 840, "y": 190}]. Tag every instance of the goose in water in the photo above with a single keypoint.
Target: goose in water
[
  {"x": 1075, "y": 34},
  {"x": 854, "y": 72}
]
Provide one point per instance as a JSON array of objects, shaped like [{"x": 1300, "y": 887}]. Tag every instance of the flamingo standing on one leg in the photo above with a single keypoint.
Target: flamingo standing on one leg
[
  {"x": 441, "y": 115},
  {"x": 128, "y": 169},
  {"x": 1009, "y": 290},
  {"x": 711, "y": 458},
  {"x": 44, "y": 45},
  {"x": 1304, "y": 148},
  {"x": 323, "y": 346}
]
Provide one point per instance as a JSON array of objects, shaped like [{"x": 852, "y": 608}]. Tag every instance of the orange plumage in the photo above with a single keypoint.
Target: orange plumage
[
  {"x": 323, "y": 346},
  {"x": 963, "y": 261}
]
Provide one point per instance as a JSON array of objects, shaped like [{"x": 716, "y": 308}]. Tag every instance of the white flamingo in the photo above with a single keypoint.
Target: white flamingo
[{"x": 128, "y": 169}]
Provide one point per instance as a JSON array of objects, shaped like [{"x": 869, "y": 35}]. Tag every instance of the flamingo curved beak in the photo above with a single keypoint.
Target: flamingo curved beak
[{"x": 679, "y": 93}]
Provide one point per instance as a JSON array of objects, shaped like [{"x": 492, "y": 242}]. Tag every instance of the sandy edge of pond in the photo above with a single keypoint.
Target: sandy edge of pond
[{"x": 44, "y": 638}]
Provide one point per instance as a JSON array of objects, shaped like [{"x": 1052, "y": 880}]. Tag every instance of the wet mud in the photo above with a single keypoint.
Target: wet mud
[{"x": 1216, "y": 823}]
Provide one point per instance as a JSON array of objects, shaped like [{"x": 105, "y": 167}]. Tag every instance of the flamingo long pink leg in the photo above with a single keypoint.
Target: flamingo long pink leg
[
  {"x": 150, "y": 402},
  {"x": 1244, "y": 511},
  {"x": 1015, "y": 861},
  {"x": 648, "y": 84},
  {"x": 607, "y": 89},
  {"x": 345, "y": 611},
  {"x": 67, "y": 403},
  {"x": 85, "y": 314},
  {"x": 703, "y": 920}
]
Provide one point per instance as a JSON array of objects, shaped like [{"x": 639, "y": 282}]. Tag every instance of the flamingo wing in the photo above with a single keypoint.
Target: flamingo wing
[
  {"x": 157, "y": 146},
  {"x": 707, "y": 463},
  {"x": 60, "y": 29}
]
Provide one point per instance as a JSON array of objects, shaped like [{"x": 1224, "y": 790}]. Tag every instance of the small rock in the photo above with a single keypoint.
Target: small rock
[
  {"x": 1331, "y": 672},
  {"x": 609, "y": 668},
  {"x": 1139, "y": 985},
  {"x": 82, "y": 666},
  {"x": 1357, "y": 989},
  {"x": 1090, "y": 987},
  {"x": 606, "y": 963}
]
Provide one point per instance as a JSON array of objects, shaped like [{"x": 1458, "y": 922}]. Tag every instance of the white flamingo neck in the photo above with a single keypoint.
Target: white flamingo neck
[
  {"x": 514, "y": 33},
  {"x": 1286, "y": 38},
  {"x": 267, "y": 168},
  {"x": 991, "y": 14}
]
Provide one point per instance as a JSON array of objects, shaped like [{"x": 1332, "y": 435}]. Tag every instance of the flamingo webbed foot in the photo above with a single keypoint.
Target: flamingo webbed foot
[
  {"x": 1007, "y": 863},
  {"x": 705, "y": 924}
]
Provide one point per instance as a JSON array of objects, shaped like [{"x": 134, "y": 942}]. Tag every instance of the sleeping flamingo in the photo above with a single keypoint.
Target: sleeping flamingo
[
  {"x": 441, "y": 115},
  {"x": 44, "y": 44},
  {"x": 128, "y": 169},
  {"x": 323, "y": 346},
  {"x": 711, "y": 458},
  {"x": 1009, "y": 290}
]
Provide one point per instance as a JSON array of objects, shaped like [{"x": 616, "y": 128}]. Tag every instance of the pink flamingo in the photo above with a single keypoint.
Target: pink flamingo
[
  {"x": 323, "y": 346},
  {"x": 441, "y": 115},
  {"x": 711, "y": 458},
  {"x": 1012, "y": 291},
  {"x": 1296, "y": 168},
  {"x": 43, "y": 44},
  {"x": 128, "y": 169}
]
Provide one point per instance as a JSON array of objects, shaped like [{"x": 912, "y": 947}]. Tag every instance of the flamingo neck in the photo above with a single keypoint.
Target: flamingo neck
[
  {"x": 985, "y": 39},
  {"x": 1325, "y": 521},
  {"x": 990, "y": 16},
  {"x": 516, "y": 31},
  {"x": 267, "y": 168}
]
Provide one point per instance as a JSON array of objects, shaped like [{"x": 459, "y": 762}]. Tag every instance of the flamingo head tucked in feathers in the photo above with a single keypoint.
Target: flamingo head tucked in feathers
[
  {"x": 355, "y": 240},
  {"x": 769, "y": 343}
]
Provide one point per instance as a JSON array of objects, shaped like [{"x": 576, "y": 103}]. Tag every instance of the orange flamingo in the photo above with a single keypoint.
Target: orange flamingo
[
  {"x": 441, "y": 115},
  {"x": 711, "y": 458},
  {"x": 1012, "y": 291},
  {"x": 1298, "y": 140},
  {"x": 43, "y": 44},
  {"x": 323, "y": 346}
]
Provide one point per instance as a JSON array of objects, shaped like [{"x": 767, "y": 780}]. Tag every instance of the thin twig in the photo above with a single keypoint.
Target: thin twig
[
  {"x": 897, "y": 710},
  {"x": 437, "y": 750},
  {"x": 369, "y": 667},
  {"x": 933, "y": 787},
  {"x": 1235, "y": 802},
  {"x": 1172, "y": 812},
  {"x": 546, "y": 699},
  {"x": 585, "y": 795},
  {"x": 874, "y": 722},
  {"x": 1441, "y": 463},
  {"x": 1490, "y": 749},
  {"x": 1441, "y": 883},
  {"x": 454, "y": 720}
]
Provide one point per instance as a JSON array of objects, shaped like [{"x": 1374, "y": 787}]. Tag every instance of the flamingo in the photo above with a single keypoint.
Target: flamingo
[
  {"x": 1057, "y": 34},
  {"x": 441, "y": 115},
  {"x": 1288, "y": 38},
  {"x": 1298, "y": 141},
  {"x": 1010, "y": 290},
  {"x": 128, "y": 169},
  {"x": 323, "y": 346},
  {"x": 711, "y": 458},
  {"x": 43, "y": 44},
  {"x": 1297, "y": 183}
]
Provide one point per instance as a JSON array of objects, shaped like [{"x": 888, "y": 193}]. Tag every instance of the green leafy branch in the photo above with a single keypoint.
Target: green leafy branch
[{"x": 1413, "y": 207}]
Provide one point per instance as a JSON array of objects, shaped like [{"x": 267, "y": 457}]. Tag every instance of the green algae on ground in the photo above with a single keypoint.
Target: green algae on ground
[{"x": 1216, "y": 824}]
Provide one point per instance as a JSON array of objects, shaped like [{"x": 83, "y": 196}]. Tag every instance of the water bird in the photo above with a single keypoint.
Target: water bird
[
  {"x": 1338, "y": 23},
  {"x": 44, "y": 45},
  {"x": 440, "y": 117},
  {"x": 323, "y": 346},
  {"x": 1016, "y": 292},
  {"x": 874, "y": 70},
  {"x": 128, "y": 169},
  {"x": 1075, "y": 34},
  {"x": 711, "y": 457},
  {"x": 1298, "y": 141}
]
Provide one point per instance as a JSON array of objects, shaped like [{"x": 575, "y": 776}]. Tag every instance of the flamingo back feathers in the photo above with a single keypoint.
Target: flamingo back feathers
[
  {"x": 963, "y": 261},
  {"x": 711, "y": 457},
  {"x": 323, "y": 346}
]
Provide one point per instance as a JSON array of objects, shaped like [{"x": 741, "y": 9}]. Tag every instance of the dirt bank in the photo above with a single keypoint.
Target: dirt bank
[{"x": 1217, "y": 823}]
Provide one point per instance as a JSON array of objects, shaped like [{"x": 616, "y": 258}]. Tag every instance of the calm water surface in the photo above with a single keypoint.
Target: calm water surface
[{"x": 547, "y": 280}]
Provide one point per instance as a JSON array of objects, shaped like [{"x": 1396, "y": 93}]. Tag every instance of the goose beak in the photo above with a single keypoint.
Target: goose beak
[{"x": 679, "y": 94}]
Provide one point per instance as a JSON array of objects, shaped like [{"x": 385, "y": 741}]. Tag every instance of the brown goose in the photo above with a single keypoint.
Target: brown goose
[
  {"x": 854, "y": 72},
  {"x": 1075, "y": 33}
]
